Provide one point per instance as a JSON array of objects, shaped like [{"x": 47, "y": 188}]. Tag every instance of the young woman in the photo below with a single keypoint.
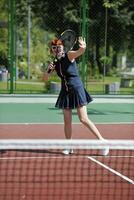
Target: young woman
[{"x": 73, "y": 94}]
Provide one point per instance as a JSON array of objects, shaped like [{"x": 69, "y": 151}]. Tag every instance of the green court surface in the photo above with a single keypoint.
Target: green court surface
[{"x": 47, "y": 113}]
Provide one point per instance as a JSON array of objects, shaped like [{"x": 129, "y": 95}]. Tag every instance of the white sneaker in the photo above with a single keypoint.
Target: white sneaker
[
  {"x": 67, "y": 151},
  {"x": 105, "y": 152}
]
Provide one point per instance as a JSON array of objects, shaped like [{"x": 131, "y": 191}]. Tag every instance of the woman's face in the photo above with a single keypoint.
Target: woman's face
[{"x": 57, "y": 49}]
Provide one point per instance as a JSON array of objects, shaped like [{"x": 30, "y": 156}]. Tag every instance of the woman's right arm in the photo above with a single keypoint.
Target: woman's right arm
[{"x": 50, "y": 69}]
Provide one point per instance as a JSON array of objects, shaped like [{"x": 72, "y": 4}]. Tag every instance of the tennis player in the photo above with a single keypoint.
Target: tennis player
[{"x": 73, "y": 94}]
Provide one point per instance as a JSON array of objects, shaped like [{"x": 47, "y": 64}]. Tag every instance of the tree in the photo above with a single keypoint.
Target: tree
[
  {"x": 58, "y": 15},
  {"x": 119, "y": 30},
  {"x": 49, "y": 18},
  {"x": 3, "y": 33}
]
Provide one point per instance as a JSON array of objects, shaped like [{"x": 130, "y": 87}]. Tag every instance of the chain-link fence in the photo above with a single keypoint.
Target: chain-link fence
[{"x": 27, "y": 27}]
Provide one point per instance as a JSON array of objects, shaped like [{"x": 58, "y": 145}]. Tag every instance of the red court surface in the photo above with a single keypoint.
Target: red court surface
[
  {"x": 50, "y": 175},
  {"x": 56, "y": 131}
]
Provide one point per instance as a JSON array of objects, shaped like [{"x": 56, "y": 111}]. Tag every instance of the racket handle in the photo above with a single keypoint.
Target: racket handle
[
  {"x": 51, "y": 66},
  {"x": 49, "y": 71}
]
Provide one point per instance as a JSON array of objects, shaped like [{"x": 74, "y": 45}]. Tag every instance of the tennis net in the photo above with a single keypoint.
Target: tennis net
[{"x": 38, "y": 170}]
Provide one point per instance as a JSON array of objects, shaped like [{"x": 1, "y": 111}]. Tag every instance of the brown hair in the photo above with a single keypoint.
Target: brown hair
[{"x": 56, "y": 42}]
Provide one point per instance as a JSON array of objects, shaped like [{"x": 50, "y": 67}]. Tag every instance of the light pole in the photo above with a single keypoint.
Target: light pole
[{"x": 29, "y": 41}]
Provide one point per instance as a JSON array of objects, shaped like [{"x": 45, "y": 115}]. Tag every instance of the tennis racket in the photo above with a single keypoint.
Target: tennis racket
[{"x": 68, "y": 38}]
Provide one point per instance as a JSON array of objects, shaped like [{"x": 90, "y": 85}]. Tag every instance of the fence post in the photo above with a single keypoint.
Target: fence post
[{"x": 84, "y": 32}]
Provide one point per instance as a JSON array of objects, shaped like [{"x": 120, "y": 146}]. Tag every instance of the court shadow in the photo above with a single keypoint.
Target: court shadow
[
  {"x": 31, "y": 152},
  {"x": 91, "y": 112}
]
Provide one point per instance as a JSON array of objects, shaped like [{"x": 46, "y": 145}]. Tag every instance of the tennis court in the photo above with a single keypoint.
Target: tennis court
[{"x": 40, "y": 172}]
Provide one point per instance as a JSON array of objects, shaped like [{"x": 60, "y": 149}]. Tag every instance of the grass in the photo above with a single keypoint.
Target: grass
[
  {"x": 94, "y": 86},
  {"x": 23, "y": 87}
]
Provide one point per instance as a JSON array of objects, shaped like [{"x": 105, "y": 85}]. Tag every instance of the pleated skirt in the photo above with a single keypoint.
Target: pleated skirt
[{"x": 73, "y": 98}]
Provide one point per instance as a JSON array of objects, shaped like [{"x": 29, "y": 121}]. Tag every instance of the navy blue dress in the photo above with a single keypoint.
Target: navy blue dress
[{"x": 73, "y": 93}]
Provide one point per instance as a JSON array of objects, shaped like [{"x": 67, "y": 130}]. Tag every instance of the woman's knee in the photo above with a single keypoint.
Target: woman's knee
[{"x": 83, "y": 119}]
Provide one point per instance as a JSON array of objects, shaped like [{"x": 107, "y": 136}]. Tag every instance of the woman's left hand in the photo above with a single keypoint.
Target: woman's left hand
[
  {"x": 82, "y": 42},
  {"x": 75, "y": 54}
]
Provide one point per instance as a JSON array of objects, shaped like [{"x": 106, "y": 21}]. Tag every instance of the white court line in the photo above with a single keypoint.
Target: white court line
[
  {"x": 62, "y": 123},
  {"x": 52, "y": 100},
  {"x": 57, "y": 157},
  {"x": 112, "y": 170}
]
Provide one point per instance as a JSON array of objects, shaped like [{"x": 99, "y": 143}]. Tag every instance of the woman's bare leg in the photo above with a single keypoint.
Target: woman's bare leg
[
  {"x": 67, "y": 123},
  {"x": 82, "y": 113}
]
